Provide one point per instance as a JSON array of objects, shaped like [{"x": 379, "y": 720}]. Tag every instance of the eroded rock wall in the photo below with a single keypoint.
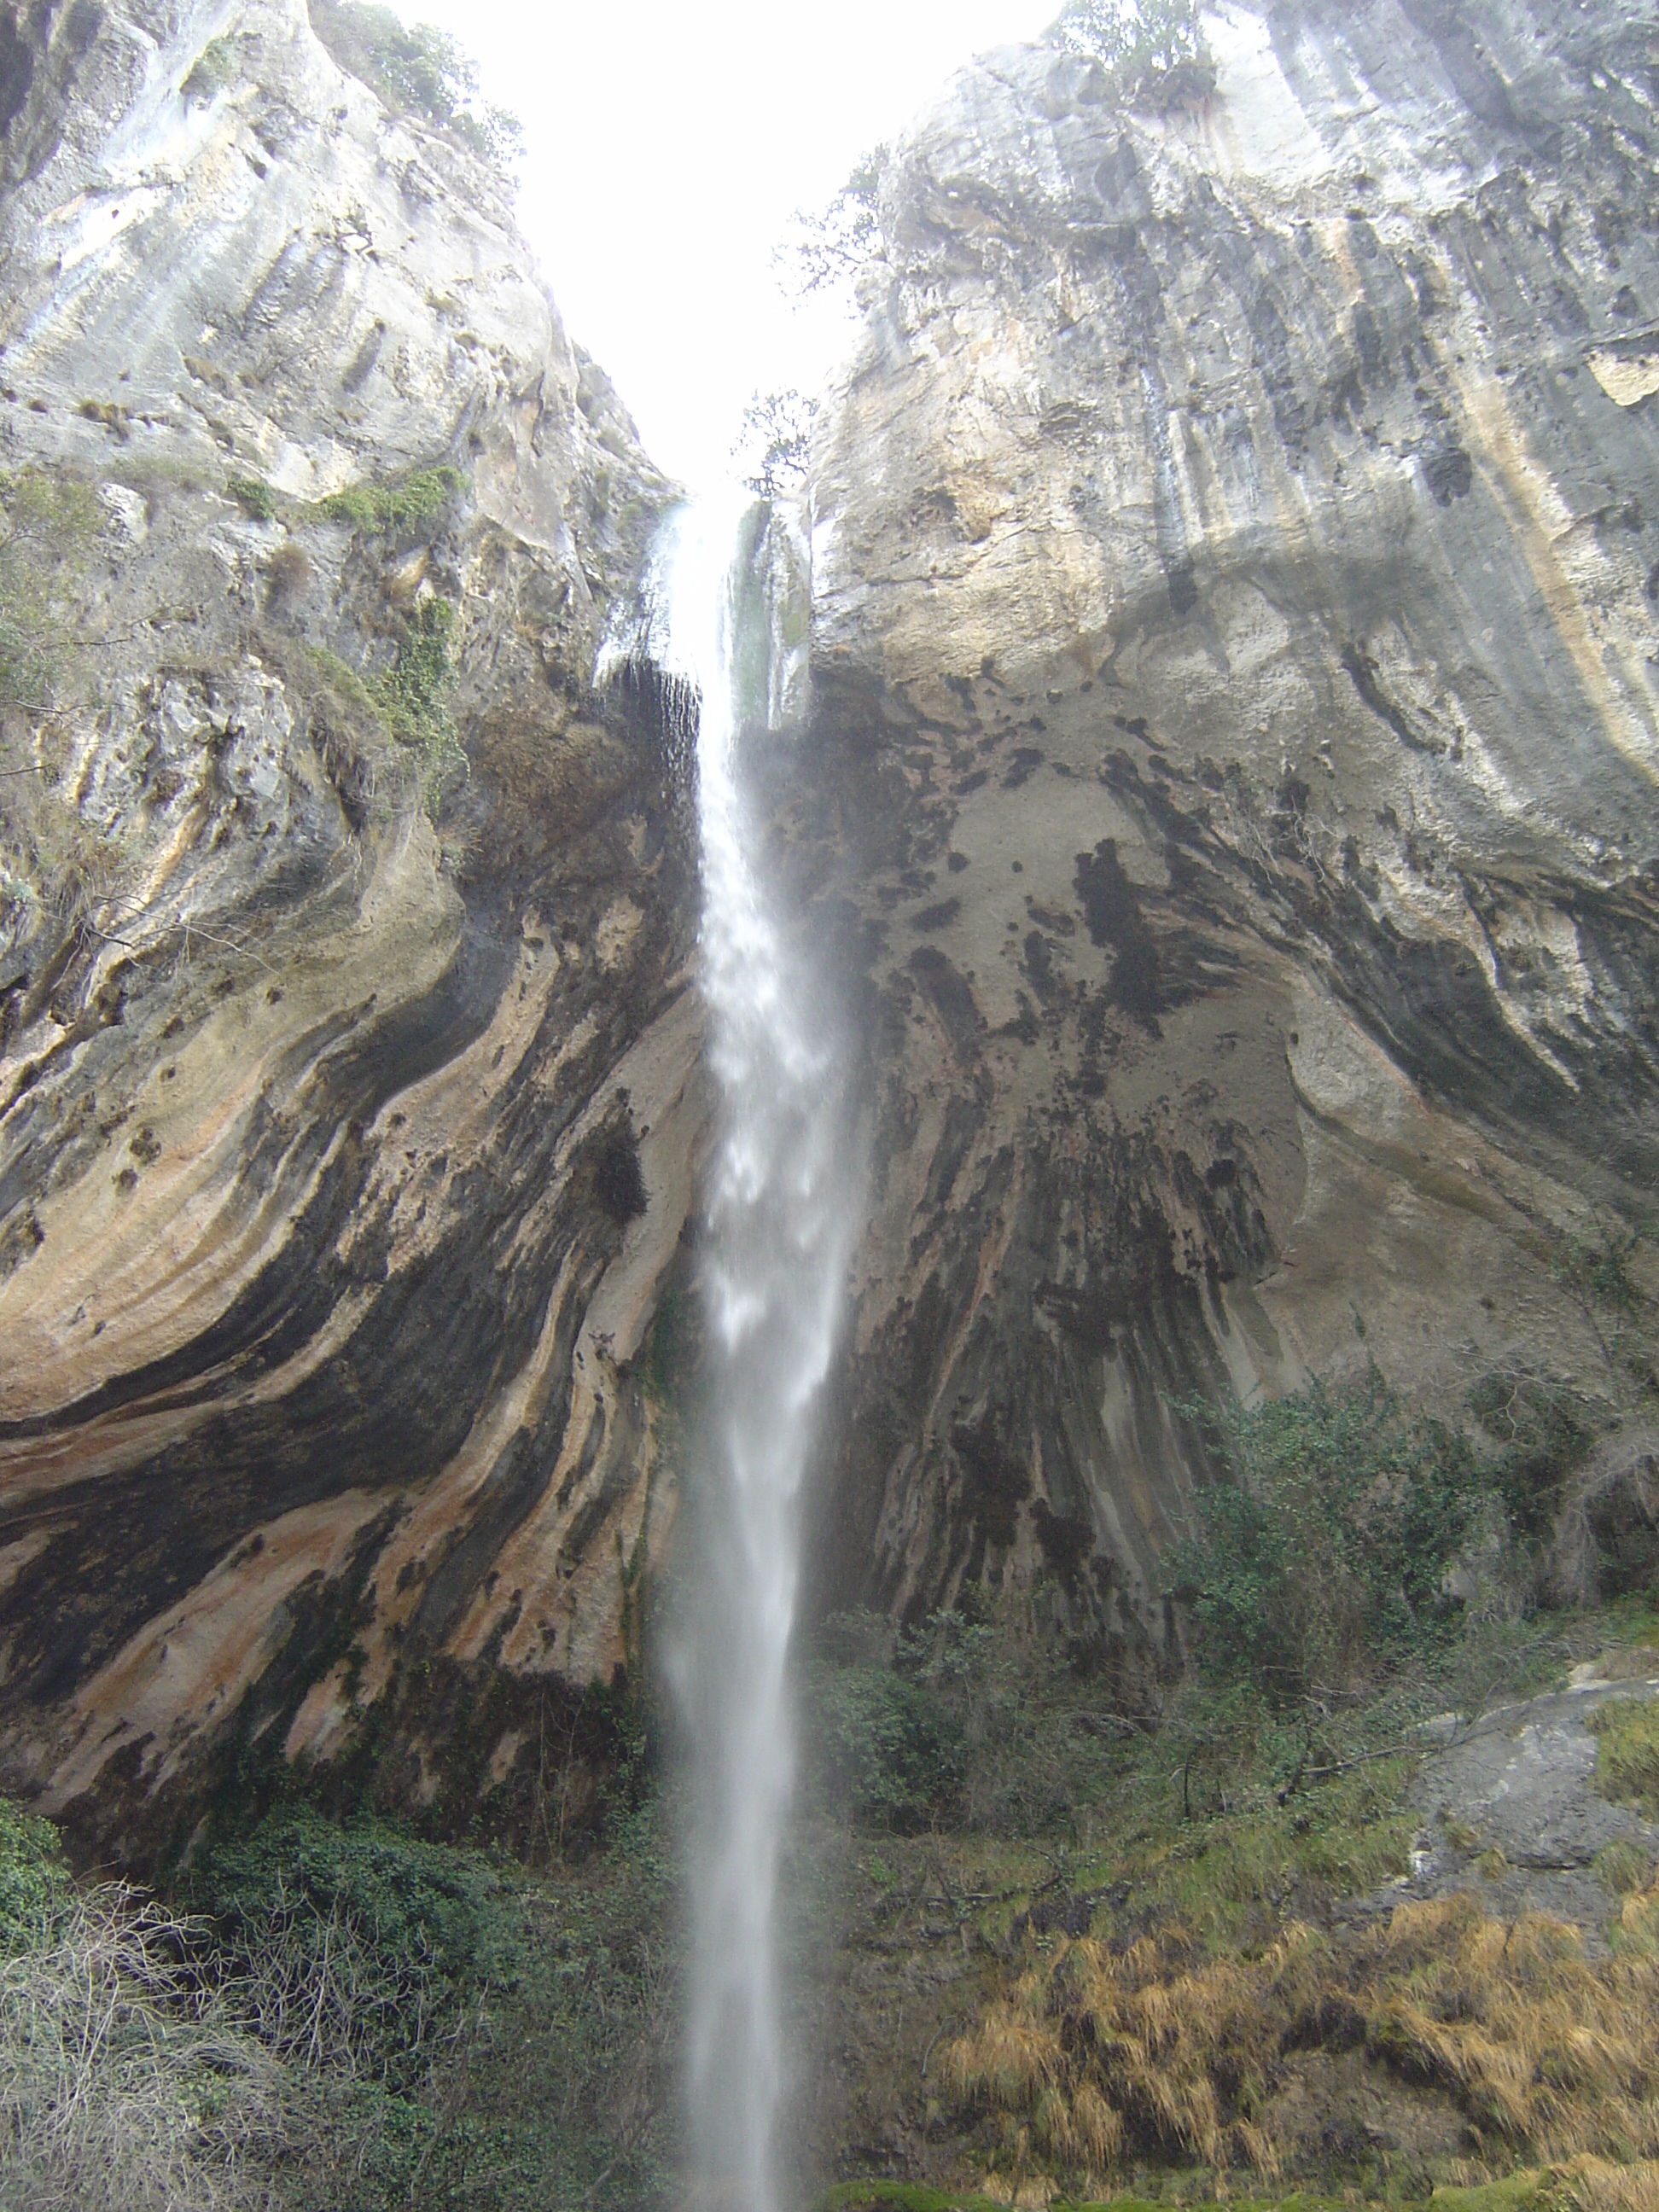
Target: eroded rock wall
[
  {"x": 350, "y": 1099},
  {"x": 1233, "y": 547}
]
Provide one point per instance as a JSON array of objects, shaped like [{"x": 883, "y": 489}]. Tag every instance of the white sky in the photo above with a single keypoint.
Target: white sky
[{"x": 668, "y": 145}]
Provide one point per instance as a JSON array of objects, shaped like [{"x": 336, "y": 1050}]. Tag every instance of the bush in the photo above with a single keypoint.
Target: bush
[
  {"x": 358, "y": 1948},
  {"x": 125, "y": 2084},
  {"x": 889, "y": 1747},
  {"x": 1322, "y": 1553},
  {"x": 35, "y": 1889},
  {"x": 989, "y": 1722}
]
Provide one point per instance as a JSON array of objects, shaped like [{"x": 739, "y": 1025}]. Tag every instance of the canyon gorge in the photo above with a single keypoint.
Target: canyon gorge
[{"x": 1211, "y": 728}]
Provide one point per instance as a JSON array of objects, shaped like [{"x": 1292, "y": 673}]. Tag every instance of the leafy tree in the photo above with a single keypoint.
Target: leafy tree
[
  {"x": 1322, "y": 1551},
  {"x": 777, "y": 429},
  {"x": 889, "y": 1746},
  {"x": 1135, "y": 38},
  {"x": 418, "y": 71},
  {"x": 835, "y": 245}
]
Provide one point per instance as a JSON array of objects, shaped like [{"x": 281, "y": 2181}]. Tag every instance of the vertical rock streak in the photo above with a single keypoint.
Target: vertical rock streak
[{"x": 778, "y": 1229}]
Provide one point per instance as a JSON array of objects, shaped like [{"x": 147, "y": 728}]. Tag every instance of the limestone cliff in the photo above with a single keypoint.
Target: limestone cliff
[
  {"x": 350, "y": 1095},
  {"x": 1234, "y": 543}
]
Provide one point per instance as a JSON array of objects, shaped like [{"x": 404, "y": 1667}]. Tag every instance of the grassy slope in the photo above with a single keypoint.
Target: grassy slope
[{"x": 1183, "y": 1952}]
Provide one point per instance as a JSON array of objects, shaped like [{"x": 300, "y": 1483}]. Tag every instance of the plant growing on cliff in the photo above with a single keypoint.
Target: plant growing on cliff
[
  {"x": 413, "y": 696},
  {"x": 836, "y": 244},
  {"x": 392, "y": 502},
  {"x": 772, "y": 445},
  {"x": 418, "y": 71},
  {"x": 47, "y": 523},
  {"x": 1143, "y": 45},
  {"x": 216, "y": 68}
]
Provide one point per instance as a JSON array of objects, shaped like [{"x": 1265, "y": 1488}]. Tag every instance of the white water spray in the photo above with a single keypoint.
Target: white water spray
[{"x": 780, "y": 1211}]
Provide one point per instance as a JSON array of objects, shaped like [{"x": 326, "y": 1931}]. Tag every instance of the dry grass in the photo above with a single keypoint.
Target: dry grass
[
  {"x": 1595, "y": 2184},
  {"x": 1627, "y": 1752},
  {"x": 125, "y": 2086},
  {"x": 1096, "y": 2054}
]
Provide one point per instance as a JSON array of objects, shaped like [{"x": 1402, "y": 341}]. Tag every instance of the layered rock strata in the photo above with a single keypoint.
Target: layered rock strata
[
  {"x": 350, "y": 1095},
  {"x": 1234, "y": 560}
]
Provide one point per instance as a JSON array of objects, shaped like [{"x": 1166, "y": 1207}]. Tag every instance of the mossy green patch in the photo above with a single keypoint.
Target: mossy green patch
[
  {"x": 413, "y": 696},
  {"x": 48, "y": 520},
  {"x": 216, "y": 68},
  {"x": 409, "y": 702},
  {"x": 391, "y": 503},
  {"x": 255, "y": 497}
]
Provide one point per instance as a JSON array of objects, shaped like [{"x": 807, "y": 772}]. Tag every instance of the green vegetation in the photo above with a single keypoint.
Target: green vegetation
[
  {"x": 47, "y": 524},
  {"x": 1627, "y": 1752},
  {"x": 667, "y": 1360},
  {"x": 351, "y": 2019},
  {"x": 777, "y": 428},
  {"x": 216, "y": 68},
  {"x": 417, "y": 71},
  {"x": 394, "y": 502},
  {"x": 1322, "y": 1555},
  {"x": 413, "y": 697},
  {"x": 255, "y": 497},
  {"x": 1147, "y": 47},
  {"x": 394, "y": 1931},
  {"x": 835, "y": 245},
  {"x": 891, "y": 1750},
  {"x": 408, "y": 702},
  {"x": 34, "y": 1882}
]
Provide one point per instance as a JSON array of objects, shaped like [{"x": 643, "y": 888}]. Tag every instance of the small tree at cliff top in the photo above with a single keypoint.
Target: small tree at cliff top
[
  {"x": 777, "y": 428},
  {"x": 418, "y": 70},
  {"x": 1135, "y": 38},
  {"x": 834, "y": 244}
]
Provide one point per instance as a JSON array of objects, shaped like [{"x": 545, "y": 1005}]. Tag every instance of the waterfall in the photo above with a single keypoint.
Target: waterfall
[{"x": 779, "y": 1211}]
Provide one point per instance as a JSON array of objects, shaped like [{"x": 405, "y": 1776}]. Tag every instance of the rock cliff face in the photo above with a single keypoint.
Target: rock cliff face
[
  {"x": 350, "y": 1093},
  {"x": 1229, "y": 777},
  {"x": 1234, "y": 553}
]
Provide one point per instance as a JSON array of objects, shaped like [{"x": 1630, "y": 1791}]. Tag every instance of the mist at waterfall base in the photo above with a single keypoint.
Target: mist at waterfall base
[{"x": 779, "y": 1215}]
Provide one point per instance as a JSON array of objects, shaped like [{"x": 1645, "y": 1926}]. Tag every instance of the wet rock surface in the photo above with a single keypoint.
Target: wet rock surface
[
  {"x": 1514, "y": 1814},
  {"x": 351, "y": 1089},
  {"x": 1233, "y": 765}
]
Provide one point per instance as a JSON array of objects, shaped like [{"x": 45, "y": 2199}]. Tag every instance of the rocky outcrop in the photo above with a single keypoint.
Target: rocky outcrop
[
  {"x": 350, "y": 1097},
  {"x": 1233, "y": 560}
]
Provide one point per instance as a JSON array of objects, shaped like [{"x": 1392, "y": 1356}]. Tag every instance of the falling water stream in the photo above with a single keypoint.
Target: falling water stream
[{"x": 779, "y": 1210}]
